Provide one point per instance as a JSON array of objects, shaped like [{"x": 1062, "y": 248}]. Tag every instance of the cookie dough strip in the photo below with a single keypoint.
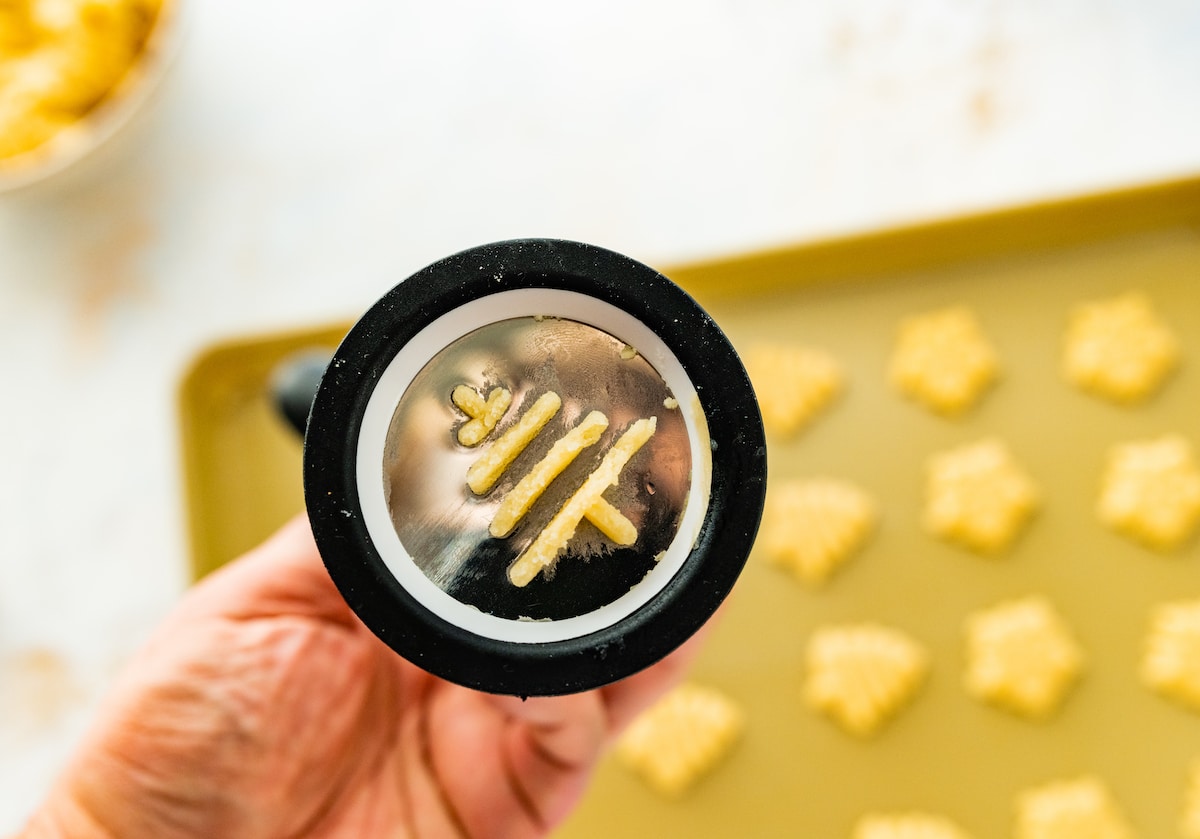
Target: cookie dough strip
[
  {"x": 609, "y": 521},
  {"x": 484, "y": 472},
  {"x": 561, "y": 528},
  {"x": 468, "y": 400},
  {"x": 530, "y": 488}
]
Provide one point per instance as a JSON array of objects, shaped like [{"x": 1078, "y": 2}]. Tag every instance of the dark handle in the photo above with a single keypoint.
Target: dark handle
[{"x": 294, "y": 384}]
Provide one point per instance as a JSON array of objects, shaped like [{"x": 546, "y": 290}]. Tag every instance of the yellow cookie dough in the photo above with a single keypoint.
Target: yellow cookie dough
[
  {"x": 546, "y": 547},
  {"x": 681, "y": 738},
  {"x": 810, "y": 527},
  {"x": 907, "y": 826},
  {"x": 59, "y": 59},
  {"x": 943, "y": 360},
  {"x": 535, "y": 482},
  {"x": 1171, "y": 662},
  {"x": 1021, "y": 656},
  {"x": 483, "y": 413},
  {"x": 1151, "y": 491},
  {"x": 484, "y": 472},
  {"x": 1076, "y": 809},
  {"x": 978, "y": 497},
  {"x": 1189, "y": 824},
  {"x": 861, "y": 675},
  {"x": 1118, "y": 348},
  {"x": 792, "y": 384}
]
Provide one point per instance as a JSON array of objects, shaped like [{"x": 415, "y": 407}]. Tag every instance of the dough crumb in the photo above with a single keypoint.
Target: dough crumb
[
  {"x": 1118, "y": 349},
  {"x": 1021, "y": 656},
  {"x": 681, "y": 738},
  {"x": 978, "y": 497},
  {"x": 943, "y": 360},
  {"x": 811, "y": 527},
  {"x": 793, "y": 384},
  {"x": 1151, "y": 492},
  {"x": 1076, "y": 809},
  {"x": 861, "y": 675}
]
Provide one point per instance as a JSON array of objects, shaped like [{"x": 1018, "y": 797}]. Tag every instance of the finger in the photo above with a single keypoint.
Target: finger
[
  {"x": 566, "y": 730},
  {"x": 551, "y": 746},
  {"x": 501, "y": 764}
]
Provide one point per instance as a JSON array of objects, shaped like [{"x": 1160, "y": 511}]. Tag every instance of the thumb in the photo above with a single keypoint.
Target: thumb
[
  {"x": 551, "y": 745},
  {"x": 568, "y": 730}
]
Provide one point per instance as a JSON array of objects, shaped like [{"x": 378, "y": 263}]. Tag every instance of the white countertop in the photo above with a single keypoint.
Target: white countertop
[{"x": 304, "y": 157}]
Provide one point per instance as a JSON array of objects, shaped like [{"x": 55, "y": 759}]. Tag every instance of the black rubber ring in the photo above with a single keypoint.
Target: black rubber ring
[{"x": 633, "y": 643}]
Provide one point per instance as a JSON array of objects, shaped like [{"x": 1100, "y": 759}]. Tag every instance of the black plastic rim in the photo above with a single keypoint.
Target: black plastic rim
[{"x": 633, "y": 643}]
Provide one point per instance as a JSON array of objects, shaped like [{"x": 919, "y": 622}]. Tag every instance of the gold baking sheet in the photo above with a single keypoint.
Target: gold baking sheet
[
  {"x": 241, "y": 461},
  {"x": 794, "y": 773}
]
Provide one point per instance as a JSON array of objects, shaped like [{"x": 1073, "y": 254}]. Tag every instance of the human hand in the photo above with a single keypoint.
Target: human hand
[{"x": 264, "y": 709}]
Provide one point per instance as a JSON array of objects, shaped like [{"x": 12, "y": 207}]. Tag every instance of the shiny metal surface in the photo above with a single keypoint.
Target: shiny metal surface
[{"x": 444, "y": 526}]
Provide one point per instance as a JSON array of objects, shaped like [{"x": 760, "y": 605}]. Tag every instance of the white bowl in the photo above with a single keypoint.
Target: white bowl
[{"x": 81, "y": 140}]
